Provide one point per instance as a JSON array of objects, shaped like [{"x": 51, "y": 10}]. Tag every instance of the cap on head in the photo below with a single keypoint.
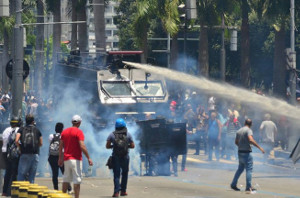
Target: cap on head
[
  {"x": 15, "y": 121},
  {"x": 120, "y": 123},
  {"x": 76, "y": 119}
]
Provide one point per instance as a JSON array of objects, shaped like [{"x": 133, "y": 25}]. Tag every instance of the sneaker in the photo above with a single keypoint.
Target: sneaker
[
  {"x": 115, "y": 194},
  {"x": 185, "y": 170},
  {"x": 124, "y": 194},
  {"x": 4, "y": 195},
  {"x": 235, "y": 188},
  {"x": 250, "y": 190},
  {"x": 69, "y": 188}
]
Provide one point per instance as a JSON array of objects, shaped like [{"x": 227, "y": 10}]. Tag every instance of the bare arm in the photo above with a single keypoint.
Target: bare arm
[
  {"x": 236, "y": 141},
  {"x": 131, "y": 145},
  {"x": 220, "y": 129},
  {"x": 108, "y": 144},
  {"x": 61, "y": 154},
  {"x": 41, "y": 141},
  {"x": 18, "y": 135},
  {"x": 252, "y": 141},
  {"x": 85, "y": 152}
]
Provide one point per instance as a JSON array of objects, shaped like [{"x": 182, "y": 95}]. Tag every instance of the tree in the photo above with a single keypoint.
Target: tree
[
  {"x": 39, "y": 49},
  {"x": 74, "y": 26},
  {"x": 54, "y": 6},
  {"x": 245, "y": 45},
  {"x": 82, "y": 27},
  {"x": 99, "y": 21},
  {"x": 278, "y": 13}
]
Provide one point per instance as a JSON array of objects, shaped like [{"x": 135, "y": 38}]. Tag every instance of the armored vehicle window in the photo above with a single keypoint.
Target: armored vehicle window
[
  {"x": 149, "y": 88},
  {"x": 117, "y": 88}
]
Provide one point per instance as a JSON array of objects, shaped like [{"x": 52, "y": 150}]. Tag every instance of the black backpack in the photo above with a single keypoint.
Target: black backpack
[
  {"x": 120, "y": 144},
  {"x": 54, "y": 145},
  {"x": 29, "y": 139},
  {"x": 12, "y": 150}
]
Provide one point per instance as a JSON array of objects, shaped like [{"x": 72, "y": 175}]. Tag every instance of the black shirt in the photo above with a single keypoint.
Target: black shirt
[{"x": 37, "y": 135}]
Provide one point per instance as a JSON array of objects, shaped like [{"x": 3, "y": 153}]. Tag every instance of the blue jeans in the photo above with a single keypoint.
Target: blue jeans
[
  {"x": 245, "y": 162},
  {"x": 27, "y": 167},
  {"x": 213, "y": 143},
  {"x": 120, "y": 164}
]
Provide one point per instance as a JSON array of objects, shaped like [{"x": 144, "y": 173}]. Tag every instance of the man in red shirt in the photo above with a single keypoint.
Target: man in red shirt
[{"x": 70, "y": 155}]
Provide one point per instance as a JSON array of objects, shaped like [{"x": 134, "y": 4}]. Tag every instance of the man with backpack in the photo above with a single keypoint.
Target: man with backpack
[
  {"x": 120, "y": 141},
  {"x": 29, "y": 139},
  {"x": 71, "y": 148},
  {"x": 10, "y": 153}
]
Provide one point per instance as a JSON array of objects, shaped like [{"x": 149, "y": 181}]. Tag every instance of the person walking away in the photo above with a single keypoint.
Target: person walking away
[
  {"x": 268, "y": 132},
  {"x": 54, "y": 140},
  {"x": 10, "y": 153},
  {"x": 244, "y": 139},
  {"x": 232, "y": 126},
  {"x": 214, "y": 130},
  {"x": 71, "y": 148},
  {"x": 120, "y": 141},
  {"x": 29, "y": 139}
]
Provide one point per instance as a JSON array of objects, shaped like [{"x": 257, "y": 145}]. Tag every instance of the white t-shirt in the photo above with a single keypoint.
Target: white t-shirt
[
  {"x": 268, "y": 129},
  {"x": 5, "y": 135}
]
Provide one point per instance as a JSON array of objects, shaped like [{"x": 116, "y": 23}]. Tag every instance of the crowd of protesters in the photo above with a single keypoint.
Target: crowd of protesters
[
  {"x": 212, "y": 124},
  {"x": 31, "y": 104}
]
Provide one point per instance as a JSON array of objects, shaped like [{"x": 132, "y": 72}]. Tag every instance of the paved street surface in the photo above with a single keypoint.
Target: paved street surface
[{"x": 276, "y": 178}]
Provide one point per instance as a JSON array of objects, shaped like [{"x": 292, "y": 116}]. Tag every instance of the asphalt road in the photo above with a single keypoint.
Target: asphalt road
[{"x": 276, "y": 178}]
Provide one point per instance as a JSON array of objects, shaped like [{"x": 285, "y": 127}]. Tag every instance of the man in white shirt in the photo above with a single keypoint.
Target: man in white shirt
[
  {"x": 11, "y": 164},
  {"x": 268, "y": 132}
]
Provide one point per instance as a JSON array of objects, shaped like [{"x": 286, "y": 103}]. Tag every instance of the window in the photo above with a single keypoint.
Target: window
[
  {"x": 108, "y": 32},
  {"x": 108, "y": 9},
  {"x": 117, "y": 88},
  {"x": 149, "y": 89},
  {"x": 115, "y": 44},
  {"x": 108, "y": 21}
]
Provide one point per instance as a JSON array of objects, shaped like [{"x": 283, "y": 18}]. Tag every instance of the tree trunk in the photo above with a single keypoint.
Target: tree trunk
[
  {"x": 56, "y": 33},
  {"x": 144, "y": 43},
  {"x": 82, "y": 30},
  {"x": 39, "y": 49},
  {"x": 99, "y": 21},
  {"x": 245, "y": 46},
  {"x": 74, "y": 26},
  {"x": 203, "y": 64},
  {"x": 174, "y": 52},
  {"x": 279, "y": 67}
]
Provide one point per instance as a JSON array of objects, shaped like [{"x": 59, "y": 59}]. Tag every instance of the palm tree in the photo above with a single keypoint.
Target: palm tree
[
  {"x": 54, "y": 7},
  {"x": 74, "y": 26},
  {"x": 82, "y": 27},
  {"x": 39, "y": 49},
  {"x": 245, "y": 45},
  {"x": 99, "y": 21},
  {"x": 166, "y": 11},
  {"x": 278, "y": 13},
  {"x": 207, "y": 16}
]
